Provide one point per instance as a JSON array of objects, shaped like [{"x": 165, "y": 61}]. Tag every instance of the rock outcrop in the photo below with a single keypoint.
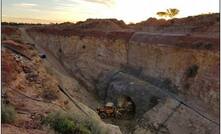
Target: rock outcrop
[{"x": 143, "y": 94}]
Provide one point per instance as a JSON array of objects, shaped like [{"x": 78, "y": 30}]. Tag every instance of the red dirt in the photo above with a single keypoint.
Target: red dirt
[
  {"x": 9, "y": 30},
  {"x": 24, "y": 49},
  {"x": 10, "y": 67}
]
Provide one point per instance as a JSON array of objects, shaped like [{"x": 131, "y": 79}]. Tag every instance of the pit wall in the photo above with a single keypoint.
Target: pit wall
[
  {"x": 88, "y": 57},
  {"x": 194, "y": 72}
]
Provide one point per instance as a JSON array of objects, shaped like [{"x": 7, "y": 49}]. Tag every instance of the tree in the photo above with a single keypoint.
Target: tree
[
  {"x": 172, "y": 12},
  {"x": 162, "y": 14},
  {"x": 169, "y": 13}
]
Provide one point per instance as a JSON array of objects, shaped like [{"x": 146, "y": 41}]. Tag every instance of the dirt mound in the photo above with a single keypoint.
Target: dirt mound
[
  {"x": 101, "y": 24},
  {"x": 91, "y": 25},
  {"x": 191, "y": 24},
  {"x": 204, "y": 20},
  {"x": 150, "y": 22}
]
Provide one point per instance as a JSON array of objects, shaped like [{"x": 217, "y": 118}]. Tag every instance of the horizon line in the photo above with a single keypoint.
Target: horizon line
[{"x": 45, "y": 21}]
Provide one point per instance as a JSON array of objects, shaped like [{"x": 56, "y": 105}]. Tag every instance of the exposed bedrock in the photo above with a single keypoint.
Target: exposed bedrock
[
  {"x": 177, "y": 61},
  {"x": 117, "y": 85},
  {"x": 185, "y": 64},
  {"x": 85, "y": 57}
]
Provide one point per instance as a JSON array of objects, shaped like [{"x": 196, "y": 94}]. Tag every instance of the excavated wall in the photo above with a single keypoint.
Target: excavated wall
[
  {"x": 85, "y": 57},
  {"x": 188, "y": 64},
  {"x": 114, "y": 85}
]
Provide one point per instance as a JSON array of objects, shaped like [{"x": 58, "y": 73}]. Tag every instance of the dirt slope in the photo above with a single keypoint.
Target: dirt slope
[{"x": 35, "y": 89}]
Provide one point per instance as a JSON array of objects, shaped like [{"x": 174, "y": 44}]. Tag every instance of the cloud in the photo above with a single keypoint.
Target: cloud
[
  {"x": 25, "y": 5},
  {"x": 105, "y": 2},
  {"x": 29, "y": 20}
]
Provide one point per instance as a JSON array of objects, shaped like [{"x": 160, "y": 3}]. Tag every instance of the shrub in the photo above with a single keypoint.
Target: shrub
[
  {"x": 8, "y": 114},
  {"x": 83, "y": 129},
  {"x": 64, "y": 124}
]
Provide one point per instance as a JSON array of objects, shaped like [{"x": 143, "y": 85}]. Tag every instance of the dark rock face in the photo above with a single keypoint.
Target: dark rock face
[{"x": 143, "y": 94}]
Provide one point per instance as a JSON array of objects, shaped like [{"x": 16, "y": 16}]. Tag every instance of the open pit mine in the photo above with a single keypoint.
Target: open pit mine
[{"x": 102, "y": 76}]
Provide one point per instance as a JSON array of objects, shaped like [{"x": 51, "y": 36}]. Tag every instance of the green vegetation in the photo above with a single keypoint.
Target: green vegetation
[
  {"x": 65, "y": 124},
  {"x": 169, "y": 13},
  {"x": 8, "y": 114}
]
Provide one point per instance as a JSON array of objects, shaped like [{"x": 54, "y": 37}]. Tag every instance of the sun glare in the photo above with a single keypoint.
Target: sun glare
[
  {"x": 132, "y": 11},
  {"x": 80, "y": 10}
]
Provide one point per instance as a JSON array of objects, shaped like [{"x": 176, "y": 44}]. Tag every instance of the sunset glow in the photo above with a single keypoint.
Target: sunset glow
[{"x": 47, "y": 11}]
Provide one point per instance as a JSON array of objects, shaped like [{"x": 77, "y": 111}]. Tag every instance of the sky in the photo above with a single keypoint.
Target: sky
[{"x": 57, "y": 11}]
